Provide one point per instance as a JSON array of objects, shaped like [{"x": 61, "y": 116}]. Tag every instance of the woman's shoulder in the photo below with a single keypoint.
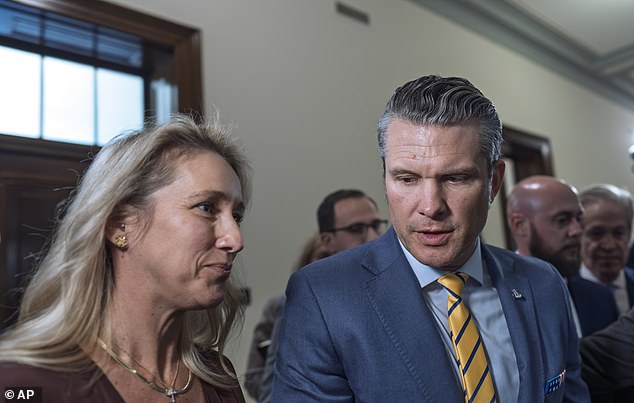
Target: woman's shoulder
[
  {"x": 57, "y": 386},
  {"x": 21, "y": 374}
]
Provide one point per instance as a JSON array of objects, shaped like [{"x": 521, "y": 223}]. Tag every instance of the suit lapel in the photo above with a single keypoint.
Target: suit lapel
[
  {"x": 396, "y": 297},
  {"x": 518, "y": 306}
]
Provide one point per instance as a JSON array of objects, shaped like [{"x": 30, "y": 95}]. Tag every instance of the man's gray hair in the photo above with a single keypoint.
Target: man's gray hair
[
  {"x": 440, "y": 101},
  {"x": 605, "y": 191}
]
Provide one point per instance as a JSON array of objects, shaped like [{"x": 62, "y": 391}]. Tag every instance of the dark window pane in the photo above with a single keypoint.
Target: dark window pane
[
  {"x": 69, "y": 35},
  {"x": 119, "y": 48},
  {"x": 19, "y": 22}
]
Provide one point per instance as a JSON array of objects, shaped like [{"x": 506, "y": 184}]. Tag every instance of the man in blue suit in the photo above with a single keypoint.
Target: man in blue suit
[
  {"x": 377, "y": 323},
  {"x": 544, "y": 215}
]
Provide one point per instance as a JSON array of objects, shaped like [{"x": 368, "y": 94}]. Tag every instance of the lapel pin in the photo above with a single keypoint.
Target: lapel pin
[{"x": 516, "y": 294}]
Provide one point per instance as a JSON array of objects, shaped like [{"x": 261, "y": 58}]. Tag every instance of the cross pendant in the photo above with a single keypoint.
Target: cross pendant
[{"x": 171, "y": 393}]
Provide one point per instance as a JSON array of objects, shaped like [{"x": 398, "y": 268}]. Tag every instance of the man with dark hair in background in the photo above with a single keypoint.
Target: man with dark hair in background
[
  {"x": 544, "y": 215},
  {"x": 427, "y": 312},
  {"x": 347, "y": 218}
]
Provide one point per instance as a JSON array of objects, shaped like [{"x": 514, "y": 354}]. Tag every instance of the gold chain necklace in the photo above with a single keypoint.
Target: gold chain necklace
[{"x": 170, "y": 392}]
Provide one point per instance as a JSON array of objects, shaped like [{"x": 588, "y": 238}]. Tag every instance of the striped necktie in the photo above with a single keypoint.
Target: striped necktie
[{"x": 476, "y": 377}]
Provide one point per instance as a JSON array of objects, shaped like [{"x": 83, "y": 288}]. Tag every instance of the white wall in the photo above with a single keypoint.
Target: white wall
[{"x": 304, "y": 87}]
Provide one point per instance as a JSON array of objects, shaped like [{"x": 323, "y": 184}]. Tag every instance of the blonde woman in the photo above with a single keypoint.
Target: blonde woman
[{"x": 133, "y": 301}]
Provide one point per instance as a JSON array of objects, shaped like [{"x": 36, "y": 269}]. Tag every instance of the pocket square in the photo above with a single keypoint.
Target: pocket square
[{"x": 553, "y": 384}]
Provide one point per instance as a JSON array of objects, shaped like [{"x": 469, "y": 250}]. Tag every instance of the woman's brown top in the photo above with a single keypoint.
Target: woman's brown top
[{"x": 88, "y": 386}]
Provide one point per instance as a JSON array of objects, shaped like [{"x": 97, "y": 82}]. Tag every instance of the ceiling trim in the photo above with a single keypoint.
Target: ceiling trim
[{"x": 510, "y": 26}]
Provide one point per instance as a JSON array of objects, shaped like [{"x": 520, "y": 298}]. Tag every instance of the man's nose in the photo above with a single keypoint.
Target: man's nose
[
  {"x": 575, "y": 229},
  {"x": 432, "y": 201}
]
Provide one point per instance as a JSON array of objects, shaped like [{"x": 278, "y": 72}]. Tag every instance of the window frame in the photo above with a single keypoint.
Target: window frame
[{"x": 186, "y": 72}]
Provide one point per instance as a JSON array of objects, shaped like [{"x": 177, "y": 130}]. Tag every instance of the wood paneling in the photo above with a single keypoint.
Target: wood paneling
[{"x": 35, "y": 176}]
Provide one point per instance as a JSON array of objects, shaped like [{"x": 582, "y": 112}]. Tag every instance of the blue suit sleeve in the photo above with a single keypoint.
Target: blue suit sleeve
[{"x": 307, "y": 368}]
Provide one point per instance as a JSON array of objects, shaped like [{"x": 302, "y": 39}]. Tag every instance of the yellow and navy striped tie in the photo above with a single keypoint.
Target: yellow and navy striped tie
[{"x": 477, "y": 381}]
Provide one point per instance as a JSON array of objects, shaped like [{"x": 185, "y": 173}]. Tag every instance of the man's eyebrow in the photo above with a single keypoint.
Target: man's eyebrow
[{"x": 401, "y": 171}]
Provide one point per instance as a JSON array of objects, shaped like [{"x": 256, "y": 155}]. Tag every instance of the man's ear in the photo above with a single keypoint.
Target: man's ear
[
  {"x": 327, "y": 242},
  {"x": 520, "y": 225},
  {"x": 497, "y": 177}
]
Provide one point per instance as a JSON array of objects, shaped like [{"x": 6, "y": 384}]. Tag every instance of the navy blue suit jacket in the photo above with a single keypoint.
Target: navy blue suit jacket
[
  {"x": 595, "y": 304},
  {"x": 357, "y": 329},
  {"x": 629, "y": 281}
]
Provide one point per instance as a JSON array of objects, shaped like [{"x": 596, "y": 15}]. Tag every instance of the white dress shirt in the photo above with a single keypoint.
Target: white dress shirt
[{"x": 618, "y": 287}]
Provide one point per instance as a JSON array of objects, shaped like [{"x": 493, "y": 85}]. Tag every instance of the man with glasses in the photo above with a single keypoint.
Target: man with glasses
[{"x": 347, "y": 218}]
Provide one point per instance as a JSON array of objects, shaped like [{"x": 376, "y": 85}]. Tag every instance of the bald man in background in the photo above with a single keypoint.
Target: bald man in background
[{"x": 544, "y": 215}]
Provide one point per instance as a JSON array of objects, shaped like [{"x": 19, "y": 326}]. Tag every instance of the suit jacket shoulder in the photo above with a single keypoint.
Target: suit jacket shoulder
[{"x": 608, "y": 358}]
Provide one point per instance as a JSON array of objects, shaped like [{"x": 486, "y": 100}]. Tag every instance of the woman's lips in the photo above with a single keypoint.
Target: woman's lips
[{"x": 224, "y": 269}]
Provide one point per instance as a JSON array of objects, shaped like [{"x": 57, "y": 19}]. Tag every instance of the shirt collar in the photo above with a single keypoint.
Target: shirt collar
[
  {"x": 619, "y": 282},
  {"x": 427, "y": 274}
]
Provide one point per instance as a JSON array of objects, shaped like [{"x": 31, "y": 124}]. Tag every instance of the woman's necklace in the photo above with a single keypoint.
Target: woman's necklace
[{"x": 170, "y": 391}]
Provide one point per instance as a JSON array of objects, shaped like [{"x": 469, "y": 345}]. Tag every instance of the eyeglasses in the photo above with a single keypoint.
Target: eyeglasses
[{"x": 361, "y": 228}]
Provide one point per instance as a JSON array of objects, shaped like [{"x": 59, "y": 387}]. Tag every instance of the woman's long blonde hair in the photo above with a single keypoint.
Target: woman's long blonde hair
[{"x": 66, "y": 302}]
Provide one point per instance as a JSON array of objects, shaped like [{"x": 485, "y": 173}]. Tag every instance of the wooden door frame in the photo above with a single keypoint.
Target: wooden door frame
[{"x": 531, "y": 155}]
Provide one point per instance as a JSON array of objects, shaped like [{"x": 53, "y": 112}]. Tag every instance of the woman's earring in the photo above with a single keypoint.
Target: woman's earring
[{"x": 121, "y": 242}]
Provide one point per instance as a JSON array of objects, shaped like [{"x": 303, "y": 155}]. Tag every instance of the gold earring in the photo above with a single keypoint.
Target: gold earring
[{"x": 121, "y": 242}]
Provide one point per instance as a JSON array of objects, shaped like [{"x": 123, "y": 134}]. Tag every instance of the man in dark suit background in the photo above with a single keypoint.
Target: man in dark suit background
[
  {"x": 608, "y": 213},
  {"x": 608, "y": 361},
  {"x": 377, "y": 323},
  {"x": 544, "y": 215}
]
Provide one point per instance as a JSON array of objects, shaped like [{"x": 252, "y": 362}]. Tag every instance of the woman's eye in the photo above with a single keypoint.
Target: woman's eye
[
  {"x": 238, "y": 217},
  {"x": 206, "y": 207}
]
